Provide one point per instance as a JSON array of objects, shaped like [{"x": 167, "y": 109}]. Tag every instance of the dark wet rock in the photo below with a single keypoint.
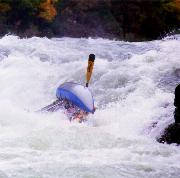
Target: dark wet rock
[{"x": 171, "y": 134}]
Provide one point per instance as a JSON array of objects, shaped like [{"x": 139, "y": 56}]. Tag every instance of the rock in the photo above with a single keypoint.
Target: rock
[{"x": 171, "y": 134}]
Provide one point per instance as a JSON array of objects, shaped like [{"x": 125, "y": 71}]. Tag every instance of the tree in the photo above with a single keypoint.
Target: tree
[
  {"x": 47, "y": 10},
  {"x": 4, "y": 7}
]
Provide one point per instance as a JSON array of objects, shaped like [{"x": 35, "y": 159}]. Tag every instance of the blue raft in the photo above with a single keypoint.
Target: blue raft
[{"x": 77, "y": 94}]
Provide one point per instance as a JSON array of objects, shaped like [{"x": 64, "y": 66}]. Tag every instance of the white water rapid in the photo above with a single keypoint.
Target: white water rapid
[{"x": 133, "y": 86}]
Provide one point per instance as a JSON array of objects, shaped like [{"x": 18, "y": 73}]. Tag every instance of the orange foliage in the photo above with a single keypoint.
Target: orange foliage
[
  {"x": 4, "y": 7},
  {"x": 48, "y": 11},
  {"x": 173, "y": 5}
]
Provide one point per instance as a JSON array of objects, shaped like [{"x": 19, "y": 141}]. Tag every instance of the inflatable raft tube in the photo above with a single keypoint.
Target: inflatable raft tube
[{"x": 77, "y": 94}]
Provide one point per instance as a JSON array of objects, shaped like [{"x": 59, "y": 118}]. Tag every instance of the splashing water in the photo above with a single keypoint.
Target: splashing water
[{"x": 132, "y": 84}]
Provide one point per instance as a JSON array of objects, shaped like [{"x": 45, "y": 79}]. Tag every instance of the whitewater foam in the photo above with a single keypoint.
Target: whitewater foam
[{"x": 133, "y": 85}]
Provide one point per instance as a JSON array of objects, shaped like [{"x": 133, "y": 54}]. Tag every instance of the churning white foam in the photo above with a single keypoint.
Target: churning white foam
[{"x": 132, "y": 84}]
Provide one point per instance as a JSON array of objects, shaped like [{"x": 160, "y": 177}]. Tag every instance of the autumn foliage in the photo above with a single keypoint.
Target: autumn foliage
[
  {"x": 173, "y": 5},
  {"x": 43, "y": 9},
  {"x": 47, "y": 10},
  {"x": 4, "y": 7}
]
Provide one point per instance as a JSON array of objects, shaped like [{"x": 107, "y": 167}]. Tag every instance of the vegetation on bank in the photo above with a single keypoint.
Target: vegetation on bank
[
  {"x": 26, "y": 16},
  {"x": 147, "y": 19},
  {"x": 130, "y": 20}
]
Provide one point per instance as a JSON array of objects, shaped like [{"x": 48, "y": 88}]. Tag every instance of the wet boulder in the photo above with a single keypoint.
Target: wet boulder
[{"x": 171, "y": 134}]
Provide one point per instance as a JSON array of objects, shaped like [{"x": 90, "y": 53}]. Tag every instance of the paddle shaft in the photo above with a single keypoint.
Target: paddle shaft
[{"x": 90, "y": 68}]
